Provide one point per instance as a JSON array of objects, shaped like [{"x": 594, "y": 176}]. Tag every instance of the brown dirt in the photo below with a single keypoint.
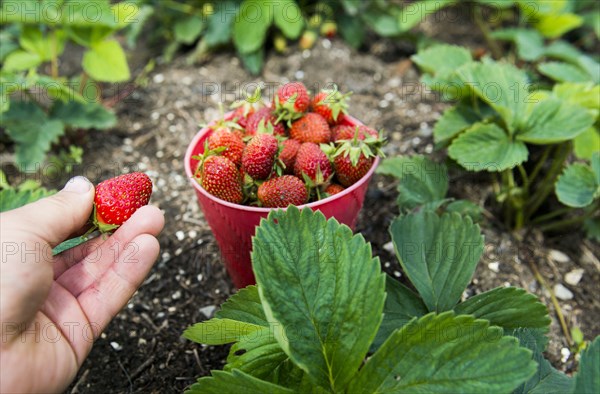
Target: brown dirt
[{"x": 142, "y": 349}]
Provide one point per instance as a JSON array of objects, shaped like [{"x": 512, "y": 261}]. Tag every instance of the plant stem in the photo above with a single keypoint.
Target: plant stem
[
  {"x": 567, "y": 222},
  {"x": 54, "y": 60},
  {"x": 559, "y": 314},
  {"x": 550, "y": 215},
  {"x": 540, "y": 164},
  {"x": 548, "y": 183},
  {"x": 481, "y": 24},
  {"x": 83, "y": 82}
]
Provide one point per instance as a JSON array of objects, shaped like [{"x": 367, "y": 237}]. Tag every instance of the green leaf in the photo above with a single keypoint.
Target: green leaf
[
  {"x": 257, "y": 354},
  {"x": 21, "y": 60},
  {"x": 31, "y": 130},
  {"x": 470, "y": 357},
  {"x": 250, "y": 27},
  {"x": 563, "y": 72},
  {"x": 220, "y": 331},
  {"x": 562, "y": 50},
  {"x": 453, "y": 121},
  {"x": 188, "y": 30},
  {"x": 219, "y": 24},
  {"x": 487, "y": 147},
  {"x": 466, "y": 207},
  {"x": 546, "y": 379},
  {"x": 586, "y": 143},
  {"x": 587, "y": 379},
  {"x": 421, "y": 180},
  {"x": 106, "y": 62},
  {"x": 382, "y": 22},
  {"x": 244, "y": 306},
  {"x": 58, "y": 89},
  {"x": 595, "y": 162},
  {"x": 321, "y": 289},
  {"x": 529, "y": 43},
  {"x": 46, "y": 47},
  {"x": 401, "y": 306},
  {"x": 253, "y": 61},
  {"x": 507, "y": 307},
  {"x": 414, "y": 13},
  {"x": 592, "y": 228},
  {"x": 83, "y": 115},
  {"x": 91, "y": 13},
  {"x": 577, "y": 186},
  {"x": 555, "y": 25},
  {"x": 554, "y": 120},
  {"x": 12, "y": 199},
  {"x": 585, "y": 94},
  {"x": 501, "y": 85},
  {"x": 288, "y": 18},
  {"x": 442, "y": 60},
  {"x": 352, "y": 30},
  {"x": 438, "y": 254},
  {"x": 234, "y": 382}
]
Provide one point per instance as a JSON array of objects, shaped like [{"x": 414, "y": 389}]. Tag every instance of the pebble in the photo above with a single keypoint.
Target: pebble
[
  {"x": 170, "y": 116},
  {"x": 192, "y": 234},
  {"x": 559, "y": 256},
  {"x": 565, "y": 353},
  {"x": 495, "y": 266},
  {"x": 562, "y": 292},
  {"x": 180, "y": 235},
  {"x": 397, "y": 274},
  {"x": 116, "y": 346},
  {"x": 142, "y": 341},
  {"x": 200, "y": 277},
  {"x": 159, "y": 78},
  {"x": 389, "y": 247},
  {"x": 387, "y": 264},
  {"x": 573, "y": 277},
  {"x": 326, "y": 43},
  {"x": 176, "y": 295},
  {"x": 208, "y": 310},
  {"x": 171, "y": 309},
  {"x": 299, "y": 74}
]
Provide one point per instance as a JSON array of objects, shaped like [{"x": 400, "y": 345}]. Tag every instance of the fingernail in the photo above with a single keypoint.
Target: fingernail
[{"x": 78, "y": 184}]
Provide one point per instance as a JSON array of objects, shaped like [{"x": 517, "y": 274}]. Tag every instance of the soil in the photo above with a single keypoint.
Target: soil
[{"x": 142, "y": 349}]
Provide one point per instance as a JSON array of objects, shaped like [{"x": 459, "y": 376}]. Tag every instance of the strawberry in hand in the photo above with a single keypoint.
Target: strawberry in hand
[{"x": 118, "y": 198}]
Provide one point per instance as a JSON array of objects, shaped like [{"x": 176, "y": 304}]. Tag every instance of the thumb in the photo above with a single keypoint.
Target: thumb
[{"x": 53, "y": 219}]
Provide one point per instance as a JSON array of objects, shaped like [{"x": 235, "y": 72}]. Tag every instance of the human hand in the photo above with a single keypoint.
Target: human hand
[{"x": 52, "y": 308}]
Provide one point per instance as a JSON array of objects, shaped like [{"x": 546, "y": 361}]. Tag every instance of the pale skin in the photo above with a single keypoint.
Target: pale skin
[{"x": 53, "y": 308}]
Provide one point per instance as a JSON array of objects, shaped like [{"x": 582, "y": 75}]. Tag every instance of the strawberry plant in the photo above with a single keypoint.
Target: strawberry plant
[
  {"x": 256, "y": 146},
  {"x": 423, "y": 185},
  {"x": 321, "y": 306},
  {"x": 501, "y": 125},
  {"x": 15, "y": 196},
  {"x": 34, "y": 36}
]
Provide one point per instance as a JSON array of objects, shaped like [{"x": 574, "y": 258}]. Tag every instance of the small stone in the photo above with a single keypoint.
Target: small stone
[
  {"x": 176, "y": 295},
  {"x": 200, "y": 277},
  {"x": 559, "y": 257},
  {"x": 103, "y": 336},
  {"x": 397, "y": 274},
  {"x": 116, "y": 346},
  {"x": 565, "y": 354},
  {"x": 170, "y": 116},
  {"x": 326, "y": 44},
  {"x": 299, "y": 74},
  {"x": 208, "y": 310},
  {"x": 387, "y": 264},
  {"x": 562, "y": 292},
  {"x": 192, "y": 234},
  {"x": 180, "y": 235},
  {"x": 171, "y": 309},
  {"x": 389, "y": 247},
  {"x": 159, "y": 78},
  {"x": 142, "y": 342},
  {"x": 573, "y": 277},
  {"x": 495, "y": 266}
]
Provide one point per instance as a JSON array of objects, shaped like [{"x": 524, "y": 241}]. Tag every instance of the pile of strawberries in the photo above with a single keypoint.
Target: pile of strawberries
[{"x": 297, "y": 150}]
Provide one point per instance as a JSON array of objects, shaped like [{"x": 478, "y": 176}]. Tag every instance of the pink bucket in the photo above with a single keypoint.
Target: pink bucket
[{"x": 234, "y": 225}]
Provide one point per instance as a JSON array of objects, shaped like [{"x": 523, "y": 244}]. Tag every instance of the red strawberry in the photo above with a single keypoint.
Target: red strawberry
[
  {"x": 313, "y": 163},
  {"x": 291, "y": 101},
  {"x": 287, "y": 155},
  {"x": 330, "y": 104},
  {"x": 118, "y": 198},
  {"x": 233, "y": 144},
  {"x": 312, "y": 127},
  {"x": 221, "y": 178},
  {"x": 259, "y": 156},
  {"x": 244, "y": 108},
  {"x": 334, "y": 188},
  {"x": 348, "y": 173},
  {"x": 346, "y": 132},
  {"x": 266, "y": 115},
  {"x": 282, "y": 191}
]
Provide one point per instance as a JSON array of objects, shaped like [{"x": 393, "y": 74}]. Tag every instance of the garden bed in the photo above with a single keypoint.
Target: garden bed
[{"x": 142, "y": 349}]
